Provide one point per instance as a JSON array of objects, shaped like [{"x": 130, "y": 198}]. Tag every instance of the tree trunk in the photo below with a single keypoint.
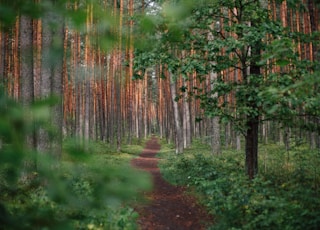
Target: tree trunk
[
  {"x": 16, "y": 67},
  {"x": 26, "y": 80},
  {"x": 26, "y": 60},
  {"x": 177, "y": 118},
  {"x": 215, "y": 140},
  {"x": 215, "y": 125},
  {"x": 252, "y": 133},
  {"x": 252, "y": 146},
  {"x": 186, "y": 120},
  {"x": 51, "y": 81},
  {"x": 2, "y": 55},
  {"x": 87, "y": 111},
  {"x": 43, "y": 139},
  {"x": 56, "y": 86}
]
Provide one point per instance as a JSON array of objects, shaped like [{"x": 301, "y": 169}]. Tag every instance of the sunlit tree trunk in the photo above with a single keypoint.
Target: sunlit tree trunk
[
  {"x": 130, "y": 100},
  {"x": 87, "y": 80},
  {"x": 146, "y": 108},
  {"x": 215, "y": 121},
  {"x": 161, "y": 106},
  {"x": 186, "y": 118},
  {"x": 176, "y": 114},
  {"x": 215, "y": 128}
]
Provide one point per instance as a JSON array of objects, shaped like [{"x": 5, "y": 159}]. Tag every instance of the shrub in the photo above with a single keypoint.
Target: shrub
[{"x": 284, "y": 195}]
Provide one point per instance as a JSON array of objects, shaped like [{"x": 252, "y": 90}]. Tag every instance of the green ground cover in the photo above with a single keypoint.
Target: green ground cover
[
  {"x": 92, "y": 189},
  {"x": 284, "y": 195}
]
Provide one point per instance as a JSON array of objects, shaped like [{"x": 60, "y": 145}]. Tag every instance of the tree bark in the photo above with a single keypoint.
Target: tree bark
[
  {"x": 26, "y": 81},
  {"x": 26, "y": 60},
  {"x": 215, "y": 125},
  {"x": 252, "y": 134},
  {"x": 43, "y": 140},
  {"x": 56, "y": 86},
  {"x": 177, "y": 117},
  {"x": 2, "y": 55},
  {"x": 186, "y": 120},
  {"x": 252, "y": 146},
  {"x": 51, "y": 81}
]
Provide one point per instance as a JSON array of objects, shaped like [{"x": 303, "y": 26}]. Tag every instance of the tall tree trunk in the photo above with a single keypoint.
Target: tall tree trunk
[
  {"x": 56, "y": 86},
  {"x": 146, "y": 108},
  {"x": 87, "y": 80},
  {"x": 16, "y": 67},
  {"x": 43, "y": 140},
  {"x": 51, "y": 81},
  {"x": 315, "y": 56},
  {"x": 251, "y": 147},
  {"x": 26, "y": 60},
  {"x": 215, "y": 127},
  {"x": 186, "y": 120},
  {"x": 252, "y": 134},
  {"x": 87, "y": 111},
  {"x": 26, "y": 80},
  {"x": 177, "y": 117},
  {"x": 2, "y": 55}
]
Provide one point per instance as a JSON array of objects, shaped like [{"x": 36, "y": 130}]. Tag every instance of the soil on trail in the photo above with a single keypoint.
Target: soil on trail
[{"x": 169, "y": 207}]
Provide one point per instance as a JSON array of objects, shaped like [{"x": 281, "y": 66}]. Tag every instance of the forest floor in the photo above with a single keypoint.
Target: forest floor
[{"x": 168, "y": 207}]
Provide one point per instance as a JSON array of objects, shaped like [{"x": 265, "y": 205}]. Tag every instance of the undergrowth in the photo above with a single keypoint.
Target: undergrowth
[
  {"x": 285, "y": 194},
  {"x": 92, "y": 189},
  {"x": 92, "y": 186}
]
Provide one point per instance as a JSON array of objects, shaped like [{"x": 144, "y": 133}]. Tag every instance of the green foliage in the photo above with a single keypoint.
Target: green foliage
[
  {"x": 285, "y": 195},
  {"x": 10, "y": 9},
  {"x": 86, "y": 190},
  {"x": 275, "y": 96}
]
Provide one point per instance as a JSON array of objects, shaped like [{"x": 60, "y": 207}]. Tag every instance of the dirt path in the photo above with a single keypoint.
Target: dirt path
[{"x": 169, "y": 206}]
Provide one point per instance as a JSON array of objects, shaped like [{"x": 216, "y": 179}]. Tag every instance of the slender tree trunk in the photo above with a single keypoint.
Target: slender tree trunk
[
  {"x": 16, "y": 68},
  {"x": 26, "y": 60},
  {"x": 2, "y": 55},
  {"x": 238, "y": 142},
  {"x": 87, "y": 80},
  {"x": 56, "y": 86},
  {"x": 315, "y": 56},
  {"x": 26, "y": 81},
  {"x": 251, "y": 147},
  {"x": 186, "y": 121},
  {"x": 43, "y": 139},
  {"x": 51, "y": 81},
  {"x": 87, "y": 111},
  {"x": 227, "y": 134},
  {"x": 177, "y": 118},
  {"x": 146, "y": 109},
  {"x": 215, "y": 126},
  {"x": 252, "y": 134}
]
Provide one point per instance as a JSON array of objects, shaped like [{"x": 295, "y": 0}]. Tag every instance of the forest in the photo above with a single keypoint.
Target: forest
[{"x": 230, "y": 88}]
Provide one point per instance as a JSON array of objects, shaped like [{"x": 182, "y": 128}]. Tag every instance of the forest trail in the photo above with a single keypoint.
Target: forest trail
[{"x": 168, "y": 206}]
